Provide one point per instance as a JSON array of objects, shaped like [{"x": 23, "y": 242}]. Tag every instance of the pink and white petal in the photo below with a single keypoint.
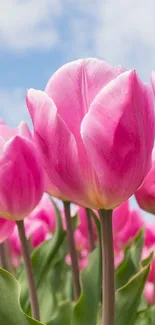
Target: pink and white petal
[
  {"x": 57, "y": 146},
  {"x": 74, "y": 86},
  {"x": 24, "y": 131},
  {"x": 153, "y": 81},
  {"x": 118, "y": 133}
]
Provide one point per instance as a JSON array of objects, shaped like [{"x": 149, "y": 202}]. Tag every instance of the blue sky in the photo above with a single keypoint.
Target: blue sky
[{"x": 38, "y": 36}]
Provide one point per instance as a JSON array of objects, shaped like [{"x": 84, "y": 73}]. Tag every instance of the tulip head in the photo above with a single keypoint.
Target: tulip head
[
  {"x": 94, "y": 127},
  {"x": 21, "y": 178}
]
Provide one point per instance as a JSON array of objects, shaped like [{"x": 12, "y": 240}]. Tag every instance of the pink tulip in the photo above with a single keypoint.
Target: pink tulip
[
  {"x": 15, "y": 243},
  {"x": 145, "y": 195},
  {"x": 21, "y": 178},
  {"x": 149, "y": 292},
  {"x": 149, "y": 238},
  {"x": 120, "y": 217},
  {"x": 94, "y": 127},
  {"x": 37, "y": 231},
  {"x": 83, "y": 225},
  {"x": 118, "y": 258},
  {"x": 6, "y": 228},
  {"x": 133, "y": 225},
  {"x": 81, "y": 242},
  {"x": 45, "y": 212}
]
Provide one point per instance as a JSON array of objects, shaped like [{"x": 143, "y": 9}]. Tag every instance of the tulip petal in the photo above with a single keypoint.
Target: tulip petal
[
  {"x": 74, "y": 86},
  {"x": 57, "y": 145},
  {"x": 153, "y": 81},
  {"x": 118, "y": 134}
]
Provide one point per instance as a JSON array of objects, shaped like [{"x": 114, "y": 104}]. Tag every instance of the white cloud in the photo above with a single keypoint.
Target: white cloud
[
  {"x": 12, "y": 106},
  {"x": 28, "y": 24},
  {"x": 119, "y": 31}
]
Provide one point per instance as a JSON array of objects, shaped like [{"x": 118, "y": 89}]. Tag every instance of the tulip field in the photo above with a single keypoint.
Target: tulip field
[{"x": 73, "y": 250}]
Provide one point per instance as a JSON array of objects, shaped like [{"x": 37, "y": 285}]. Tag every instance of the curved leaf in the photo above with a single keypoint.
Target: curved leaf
[
  {"x": 10, "y": 310},
  {"x": 86, "y": 309},
  {"x": 128, "y": 298},
  {"x": 131, "y": 262}
]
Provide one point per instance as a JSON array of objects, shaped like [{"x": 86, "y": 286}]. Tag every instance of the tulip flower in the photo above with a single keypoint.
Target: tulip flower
[
  {"x": 94, "y": 127},
  {"x": 83, "y": 225},
  {"x": 133, "y": 225},
  {"x": 45, "y": 213},
  {"x": 21, "y": 178},
  {"x": 149, "y": 292},
  {"x": 145, "y": 195},
  {"x": 149, "y": 238},
  {"x": 6, "y": 228},
  {"x": 120, "y": 217}
]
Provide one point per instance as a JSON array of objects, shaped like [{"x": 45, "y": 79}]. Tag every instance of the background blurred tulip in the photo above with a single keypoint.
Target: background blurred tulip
[
  {"x": 6, "y": 228},
  {"x": 149, "y": 292},
  {"x": 21, "y": 178}
]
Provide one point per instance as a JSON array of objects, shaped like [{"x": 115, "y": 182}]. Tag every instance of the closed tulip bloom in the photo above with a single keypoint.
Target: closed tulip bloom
[
  {"x": 145, "y": 195},
  {"x": 149, "y": 292},
  {"x": 45, "y": 213},
  {"x": 149, "y": 238},
  {"x": 21, "y": 178},
  {"x": 134, "y": 224},
  {"x": 6, "y": 228},
  {"x": 83, "y": 224},
  {"x": 120, "y": 217},
  {"x": 94, "y": 127}
]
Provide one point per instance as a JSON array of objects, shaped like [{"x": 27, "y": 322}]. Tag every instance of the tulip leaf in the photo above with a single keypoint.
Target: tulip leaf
[
  {"x": 147, "y": 317},
  {"x": 128, "y": 298},
  {"x": 10, "y": 310},
  {"x": 147, "y": 260},
  {"x": 63, "y": 315},
  {"x": 86, "y": 309},
  {"x": 131, "y": 262},
  {"x": 43, "y": 260}
]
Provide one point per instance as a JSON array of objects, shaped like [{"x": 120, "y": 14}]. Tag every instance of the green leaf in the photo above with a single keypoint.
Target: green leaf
[
  {"x": 146, "y": 317},
  {"x": 86, "y": 309},
  {"x": 63, "y": 315},
  {"x": 10, "y": 310},
  {"x": 147, "y": 260},
  {"x": 43, "y": 260},
  {"x": 131, "y": 262},
  {"x": 128, "y": 298}
]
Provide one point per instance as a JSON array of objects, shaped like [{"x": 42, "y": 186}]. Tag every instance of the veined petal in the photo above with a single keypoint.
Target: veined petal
[
  {"x": 57, "y": 146},
  {"x": 118, "y": 134},
  {"x": 74, "y": 86}
]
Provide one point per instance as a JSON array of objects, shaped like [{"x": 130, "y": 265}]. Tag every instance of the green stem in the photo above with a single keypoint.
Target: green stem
[
  {"x": 90, "y": 230},
  {"x": 108, "y": 288},
  {"x": 72, "y": 250},
  {"x": 3, "y": 257},
  {"x": 29, "y": 270}
]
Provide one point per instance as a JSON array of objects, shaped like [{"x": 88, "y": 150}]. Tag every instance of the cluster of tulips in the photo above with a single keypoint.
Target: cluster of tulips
[{"x": 90, "y": 150}]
